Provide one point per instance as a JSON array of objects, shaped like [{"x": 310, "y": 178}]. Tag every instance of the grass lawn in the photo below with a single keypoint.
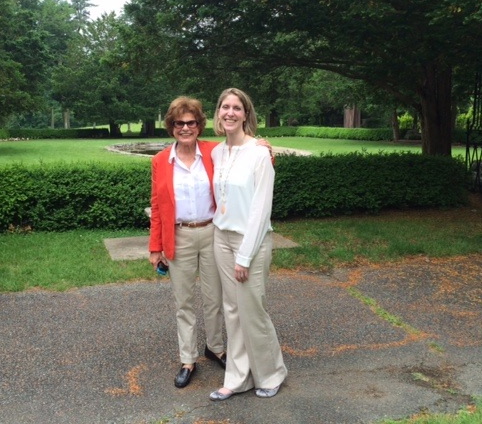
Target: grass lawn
[
  {"x": 36, "y": 152},
  {"x": 326, "y": 146},
  {"x": 40, "y": 259},
  {"x": 388, "y": 236}
]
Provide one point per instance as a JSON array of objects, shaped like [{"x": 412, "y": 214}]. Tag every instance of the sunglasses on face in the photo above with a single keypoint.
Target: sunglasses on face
[{"x": 190, "y": 124}]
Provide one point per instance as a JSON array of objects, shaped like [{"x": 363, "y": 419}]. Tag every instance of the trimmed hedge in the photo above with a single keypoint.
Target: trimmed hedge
[
  {"x": 371, "y": 134},
  {"x": 315, "y": 187},
  {"x": 63, "y": 197},
  {"x": 459, "y": 136},
  {"x": 278, "y": 132},
  {"x": 49, "y": 133},
  {"x": 161, "y": 133},
  {"x": 320, "y": 132},
  {"x": 261, "y": 132}
]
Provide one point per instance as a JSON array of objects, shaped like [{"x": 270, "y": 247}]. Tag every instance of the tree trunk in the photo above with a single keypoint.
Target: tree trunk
[
  {"x": 148, "y": 128},
  {"x": 436, "y": 111},
  {"x": 395, "y": 126},
  {"x": 66, "y": 114},
  {"x": 272, "y": 119},
  {"x": 114, "y": 129},
  {"x": 351, "y": 117}
]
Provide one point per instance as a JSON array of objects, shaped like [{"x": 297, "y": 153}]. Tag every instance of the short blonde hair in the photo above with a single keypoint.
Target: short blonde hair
[
  {"x": 250, "y": 125},
  {"x": 179, "y": 107}
]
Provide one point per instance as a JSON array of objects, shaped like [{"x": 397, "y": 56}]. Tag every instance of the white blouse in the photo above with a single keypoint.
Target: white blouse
[
  {"x": 243, "y": 190},
  {"x": 192, "y": 189}
]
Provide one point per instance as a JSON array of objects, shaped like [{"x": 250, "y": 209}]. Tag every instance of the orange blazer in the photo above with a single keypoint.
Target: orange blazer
[{"x": 163, "y": 205}]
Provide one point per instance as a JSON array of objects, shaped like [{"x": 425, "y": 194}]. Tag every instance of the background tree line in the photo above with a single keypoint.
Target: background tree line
[{"x": 301, "y": 61}]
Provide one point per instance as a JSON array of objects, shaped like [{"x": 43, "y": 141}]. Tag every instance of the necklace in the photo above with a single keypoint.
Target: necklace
[{"x": 222, "y": 184}]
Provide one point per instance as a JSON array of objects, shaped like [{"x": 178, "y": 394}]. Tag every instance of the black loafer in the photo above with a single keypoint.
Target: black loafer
[
  {"x": 183, "y": 377},
  {"x": 213, "y": 357}
]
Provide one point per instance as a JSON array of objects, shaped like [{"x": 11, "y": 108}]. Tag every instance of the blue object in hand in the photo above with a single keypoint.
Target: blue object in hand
[{"x": 162, "y": 269}]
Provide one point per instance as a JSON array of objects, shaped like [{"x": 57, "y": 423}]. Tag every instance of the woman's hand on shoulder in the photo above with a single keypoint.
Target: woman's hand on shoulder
[{"x": 265, "y": 143}]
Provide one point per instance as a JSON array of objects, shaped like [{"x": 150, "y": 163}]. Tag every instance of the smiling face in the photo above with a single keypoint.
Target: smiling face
[
  {"x": 186, "y": 136},
  {"x": 232, "y": 114}
]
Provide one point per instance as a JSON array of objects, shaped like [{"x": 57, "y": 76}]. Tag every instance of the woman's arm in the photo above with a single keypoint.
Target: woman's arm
[{"x": 260, "y": 210}]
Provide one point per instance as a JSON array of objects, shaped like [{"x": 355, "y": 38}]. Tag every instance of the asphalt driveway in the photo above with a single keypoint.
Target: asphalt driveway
[{"x": 360, "y": 344}]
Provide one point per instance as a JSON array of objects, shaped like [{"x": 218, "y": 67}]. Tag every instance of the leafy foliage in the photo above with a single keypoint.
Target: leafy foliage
[
  {"x": 63, "y": 197},
  {"x": 342, "y": 184},
  {"x": 301, "y": 61},
  {"x": 409, "y": 50},
  {"x": 35, "y": 35},
  {"x": 372, "y": 134},
  {"x": 57, "y": 133}
]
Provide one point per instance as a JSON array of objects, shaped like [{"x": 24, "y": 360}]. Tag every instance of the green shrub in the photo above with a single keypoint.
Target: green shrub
[
  {"x": 372, "y": 134},
  {"x": 64, "y": 197},
  {"x": 464, "y": 119},
  {"x": 277, "y": 132},
  {"x": 49, "y": 133},
  {"x": 343, "y": 184},
  {"x": 369, "y": 134},
  {"x": 405, "y": 122},
  {"x": 208, "y": 132},
  {"x": 459, "y": 136},
  {"x": 161, "y": 132},
  {"x": 261, "y": 132}
]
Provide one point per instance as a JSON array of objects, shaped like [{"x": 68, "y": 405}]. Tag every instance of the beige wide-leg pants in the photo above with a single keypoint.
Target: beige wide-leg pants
[
  {"x": 254, "y": 357},
  {"x": 194, "y": 255}
]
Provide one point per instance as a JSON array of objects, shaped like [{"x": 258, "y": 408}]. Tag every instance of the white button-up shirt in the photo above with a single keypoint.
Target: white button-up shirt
[{"x": 192, "y": 189}]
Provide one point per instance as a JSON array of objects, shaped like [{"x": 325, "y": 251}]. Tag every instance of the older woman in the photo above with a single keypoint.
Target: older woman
[{"x": 181, "y": 233}]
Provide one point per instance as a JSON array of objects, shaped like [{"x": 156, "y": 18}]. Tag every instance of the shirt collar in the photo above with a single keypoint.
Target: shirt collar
[{"x": 173, "y": 153}]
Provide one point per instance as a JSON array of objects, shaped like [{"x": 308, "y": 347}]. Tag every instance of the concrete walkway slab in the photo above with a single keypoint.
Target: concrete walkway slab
[{"x": 129, "y": 248}]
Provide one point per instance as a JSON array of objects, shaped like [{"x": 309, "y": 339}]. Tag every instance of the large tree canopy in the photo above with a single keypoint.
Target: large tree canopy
[
  {"x": 33, "y": 38},
  {"x": 412, "y": 49},
  {"x": 418, "y": 54},
  {"x": 23, "y": 57}
]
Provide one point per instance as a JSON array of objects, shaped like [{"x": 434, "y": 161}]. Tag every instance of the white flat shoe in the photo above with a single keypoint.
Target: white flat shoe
[
  {"x": 267, "y": 393},
  {"x": 217, "y": 395}
]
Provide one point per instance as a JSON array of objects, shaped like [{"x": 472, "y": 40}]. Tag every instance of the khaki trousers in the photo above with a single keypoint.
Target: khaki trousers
[
  {"x": 254, "y": 357},
  {"x": 194, "y": 256}
]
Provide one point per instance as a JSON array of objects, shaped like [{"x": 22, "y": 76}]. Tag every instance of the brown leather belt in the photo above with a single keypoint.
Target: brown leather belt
[{"x": 194, "y": 224}]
